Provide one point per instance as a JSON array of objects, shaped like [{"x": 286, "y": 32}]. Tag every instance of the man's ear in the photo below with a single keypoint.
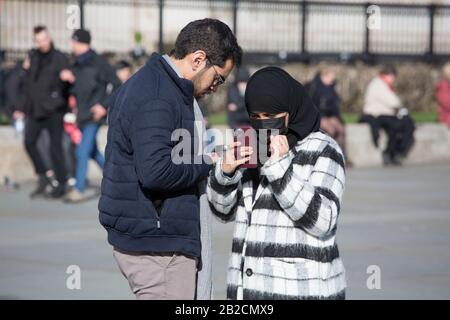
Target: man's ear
[{"x": 198, "y": 59}]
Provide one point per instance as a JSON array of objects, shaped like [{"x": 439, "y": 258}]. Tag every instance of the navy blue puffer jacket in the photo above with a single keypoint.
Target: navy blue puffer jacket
[{"x": 148, "y": 203}]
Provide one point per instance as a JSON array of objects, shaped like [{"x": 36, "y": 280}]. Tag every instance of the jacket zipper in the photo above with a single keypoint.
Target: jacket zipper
[
  {"x": 158, "y": 214},
  {"x": 158, "y": 217}
]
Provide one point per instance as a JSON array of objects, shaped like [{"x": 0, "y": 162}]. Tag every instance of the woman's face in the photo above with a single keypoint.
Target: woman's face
[{"x": 265, "y": 115}]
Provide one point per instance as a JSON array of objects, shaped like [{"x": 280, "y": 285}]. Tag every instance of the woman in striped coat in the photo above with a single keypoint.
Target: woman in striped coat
[{"x": 286, "y": 209}]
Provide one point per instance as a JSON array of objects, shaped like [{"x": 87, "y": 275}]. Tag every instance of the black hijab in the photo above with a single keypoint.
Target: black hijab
[{"x": 273, "y": 90}]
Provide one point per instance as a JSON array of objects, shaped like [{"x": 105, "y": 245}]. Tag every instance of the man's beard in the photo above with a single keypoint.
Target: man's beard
[{"x": 197, "y": 80}]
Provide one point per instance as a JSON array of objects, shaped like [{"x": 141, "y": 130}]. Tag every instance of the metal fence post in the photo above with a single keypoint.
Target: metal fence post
[
  {"x": 161, "y": 26},
  {"x": 431, "y": 12},
  {"x": 366, "y": 53},
  {"x": 81, "y": 6},
  {"x": 303, "y": 33},
  {"x": 235, "y": 9},
  {"x": 1, "y": 16}
]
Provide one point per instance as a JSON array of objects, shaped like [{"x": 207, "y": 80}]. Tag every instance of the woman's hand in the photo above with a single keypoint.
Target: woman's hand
[
  {"x": 279, "y": 147},
  {"x": 214, "y": 157},
  {"x": 230, "y": 163}
]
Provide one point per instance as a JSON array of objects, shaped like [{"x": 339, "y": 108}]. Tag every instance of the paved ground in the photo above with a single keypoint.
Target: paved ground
[{"x": 397, "y": 219}]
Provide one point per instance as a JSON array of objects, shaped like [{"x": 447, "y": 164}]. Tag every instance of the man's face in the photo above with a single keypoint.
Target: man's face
[
  {"x": 123, "y": 74},
  {"x": 328, "y": 78},
  {"x": 208, "y": 79},
  {"x": 390, "y": 79},
  {"x": 78, "y": 48},
  {"x": 43, "y": 41}
]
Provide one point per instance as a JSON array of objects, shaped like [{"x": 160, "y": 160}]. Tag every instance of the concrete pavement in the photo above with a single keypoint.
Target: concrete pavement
[{"x": 397, "y": 219}]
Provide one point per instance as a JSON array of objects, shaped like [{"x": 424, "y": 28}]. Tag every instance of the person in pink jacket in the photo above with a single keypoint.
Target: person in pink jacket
[{"x": 443, "y": 95}]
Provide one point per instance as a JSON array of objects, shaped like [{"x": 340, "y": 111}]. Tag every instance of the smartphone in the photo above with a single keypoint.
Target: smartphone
[
  {"x": 220, "y": 150},
  {"x": 247, "y": 137}
]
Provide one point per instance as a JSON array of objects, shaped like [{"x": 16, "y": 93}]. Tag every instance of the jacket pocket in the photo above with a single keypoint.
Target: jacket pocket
[
  {"x": 288, "y": 268},
  {"x": 153, "y": 203},
  {"x": 53, "y": 101}
]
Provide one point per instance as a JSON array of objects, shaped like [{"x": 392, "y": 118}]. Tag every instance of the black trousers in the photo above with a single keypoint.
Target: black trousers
[
  {"x": 400, "y": 133},
  {"x": 392, "y": 126},
  {"x": 54, "y": 125}
]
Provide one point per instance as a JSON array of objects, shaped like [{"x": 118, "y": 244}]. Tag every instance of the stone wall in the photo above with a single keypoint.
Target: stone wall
[
  {"x": 415, "y": 84},
  {"x": 432, "y": 146}
]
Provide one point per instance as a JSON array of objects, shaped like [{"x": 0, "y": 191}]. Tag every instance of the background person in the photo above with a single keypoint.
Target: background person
[
  {"x": 237, "y": 115},
  {"x": 92, "y": 80},
  {"x": 383, "y": 109},
  {"x": 322, "y": 90},
  {"x": 44, "y": 107},
  {"x": 443, "y": 95},
  {"x": 123, "y": 70}
]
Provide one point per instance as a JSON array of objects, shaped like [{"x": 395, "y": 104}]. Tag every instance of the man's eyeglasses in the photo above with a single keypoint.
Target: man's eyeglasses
[{"x": 218, "y": 78}]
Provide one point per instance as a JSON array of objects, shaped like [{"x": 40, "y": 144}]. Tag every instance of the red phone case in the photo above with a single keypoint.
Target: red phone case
[{"x": 247, "y": 139}]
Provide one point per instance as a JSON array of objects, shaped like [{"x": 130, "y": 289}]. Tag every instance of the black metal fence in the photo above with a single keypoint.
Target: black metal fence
[{"x": 268, "y": 31}]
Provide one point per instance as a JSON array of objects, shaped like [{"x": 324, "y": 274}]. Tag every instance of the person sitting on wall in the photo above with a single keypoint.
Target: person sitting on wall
[{"x": 383, "y": 109}]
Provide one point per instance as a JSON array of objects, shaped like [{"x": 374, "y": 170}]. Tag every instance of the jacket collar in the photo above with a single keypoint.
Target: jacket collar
[
  {"x": 83, "y": 58},
  {"x": 185, "y": 86},
  {"x": 174, "y": 67},
  {"x": 41, "y": 54}
]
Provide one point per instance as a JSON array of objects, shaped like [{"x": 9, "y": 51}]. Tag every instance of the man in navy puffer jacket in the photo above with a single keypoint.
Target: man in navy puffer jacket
[{"x": 149, "y": 204}]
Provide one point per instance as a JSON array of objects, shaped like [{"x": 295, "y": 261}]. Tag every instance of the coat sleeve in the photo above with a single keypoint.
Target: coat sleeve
[
  {"x": 63, "y": 62},
  {"x": 151, "y": 132},
  {"x": 386, "y": 96},
  {"x": 108, "y": 80},
  {"x": 222, "y": 193},
  {"x": 309, "y": 188}
]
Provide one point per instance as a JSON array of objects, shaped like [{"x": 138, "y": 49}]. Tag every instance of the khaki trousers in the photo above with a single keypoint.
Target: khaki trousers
[{"x": 159, "y": 276}]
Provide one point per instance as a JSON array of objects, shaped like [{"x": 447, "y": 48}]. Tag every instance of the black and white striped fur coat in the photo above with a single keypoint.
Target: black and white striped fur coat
[{"x": 284, "y": 243}]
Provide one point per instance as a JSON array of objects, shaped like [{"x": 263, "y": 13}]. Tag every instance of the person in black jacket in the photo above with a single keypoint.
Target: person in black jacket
[
  {"x": 323, "y": 93},
  {"x": 2, "y": 90},
  {"x": 150, "y": 202},
  {"x": 93, "y": 80},
  {"x": 237, "y": 113},
  {"x": 44, "y": 107},
  {"x": 14, "y": 86}
]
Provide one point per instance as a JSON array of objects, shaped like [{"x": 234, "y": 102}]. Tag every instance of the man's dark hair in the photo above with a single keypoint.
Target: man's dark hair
[
  {"x": 212, "y": 36},
  {"x": 388, "y": 69},
  {"x": 122, "y": 64},
  {"x": 39, "y": 29}
]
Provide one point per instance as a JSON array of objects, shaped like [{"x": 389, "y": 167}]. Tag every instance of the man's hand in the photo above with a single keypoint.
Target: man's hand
[
  {"x": 67, "y": 76},
  {"x": 98, "y": 112},
  {"x": 279, "y": 147},
  {"x": 232, "y": 107},
  {"x": 26, "y": 63},
  {"x": 18, "y": 115},
  {"x": 230, "y": 164}
]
